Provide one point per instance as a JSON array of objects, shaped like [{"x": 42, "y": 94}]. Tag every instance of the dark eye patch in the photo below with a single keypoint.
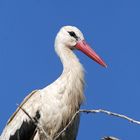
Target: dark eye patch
[{"x": 71, "y": 33}]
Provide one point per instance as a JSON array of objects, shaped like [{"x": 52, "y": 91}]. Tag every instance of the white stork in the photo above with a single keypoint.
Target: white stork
[{"x": 54, "y": 105}]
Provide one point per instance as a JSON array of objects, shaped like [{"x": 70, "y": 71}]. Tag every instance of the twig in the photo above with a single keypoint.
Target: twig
[
  {"x": 36, "y": 122},
  {"x": 110, "y": 113},
  {"x": 109, "y": 138},
  {"x": 96, "y": 111}
]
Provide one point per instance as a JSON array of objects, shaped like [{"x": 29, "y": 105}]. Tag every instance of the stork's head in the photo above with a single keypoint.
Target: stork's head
[{"x": 72, "y": 38}]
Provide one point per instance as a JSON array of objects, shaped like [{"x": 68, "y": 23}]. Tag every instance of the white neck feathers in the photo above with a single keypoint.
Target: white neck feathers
[{"x": 72, "y": 77}]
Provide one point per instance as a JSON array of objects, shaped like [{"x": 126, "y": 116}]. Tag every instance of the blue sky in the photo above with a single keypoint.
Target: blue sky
[{"x": 28, "y": 60}]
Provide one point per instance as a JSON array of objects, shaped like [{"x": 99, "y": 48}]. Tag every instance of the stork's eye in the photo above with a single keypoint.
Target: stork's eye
[{"x": 71, "y": 33}]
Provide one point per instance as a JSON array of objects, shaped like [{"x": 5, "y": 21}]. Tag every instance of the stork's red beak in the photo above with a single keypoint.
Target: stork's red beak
[{"x": 85, "y": 48}]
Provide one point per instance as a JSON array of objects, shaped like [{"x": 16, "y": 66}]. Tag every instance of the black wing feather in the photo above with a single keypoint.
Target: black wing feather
[{"x": 27, "y": 129}]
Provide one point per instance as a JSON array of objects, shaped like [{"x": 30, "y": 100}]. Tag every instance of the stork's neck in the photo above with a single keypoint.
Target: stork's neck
[
  {"x": 72, "y": 77},
  {"x": 67, "y": 57},
  {"x": 69, "y": 60}
]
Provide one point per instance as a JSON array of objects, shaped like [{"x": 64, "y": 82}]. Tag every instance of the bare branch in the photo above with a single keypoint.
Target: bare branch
[
  {"x": 111, "y": 113},
  {"x": 97, "y": 111},
  {"x": 39, "y": 126}
]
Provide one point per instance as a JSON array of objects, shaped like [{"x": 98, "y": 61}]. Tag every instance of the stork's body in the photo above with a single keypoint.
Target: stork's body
[{"x": 53, "y": 106}]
